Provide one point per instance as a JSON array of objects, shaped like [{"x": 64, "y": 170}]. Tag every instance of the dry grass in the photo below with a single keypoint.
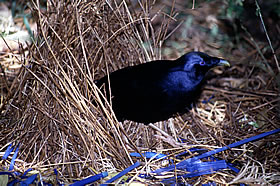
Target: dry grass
[{"x": 49, "y": 107}]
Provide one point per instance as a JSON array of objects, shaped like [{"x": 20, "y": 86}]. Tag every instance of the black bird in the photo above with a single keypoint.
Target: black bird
[{"x": 157, "y": 90}]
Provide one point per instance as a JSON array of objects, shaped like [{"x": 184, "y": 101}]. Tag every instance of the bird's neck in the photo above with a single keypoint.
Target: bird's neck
[{"x": 196, "y": 76}]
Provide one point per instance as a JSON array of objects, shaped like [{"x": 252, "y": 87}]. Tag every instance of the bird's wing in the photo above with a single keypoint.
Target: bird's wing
[{"x": 142, "y": 83}]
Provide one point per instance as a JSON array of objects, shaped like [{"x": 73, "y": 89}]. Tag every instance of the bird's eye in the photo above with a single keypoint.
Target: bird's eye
[{"x": 202, "y": 63}]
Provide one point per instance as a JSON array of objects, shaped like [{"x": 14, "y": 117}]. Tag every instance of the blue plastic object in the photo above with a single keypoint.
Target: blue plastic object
[
  {"x": 186, "y": 153},
  {"x": 8, "y": 151},
  {"x": 209, "y": 184},
  {"x": 125, "y": 171},
  {"x": 148, "y": 155},
  {"x": 29, "y": 180},
  {"x": 236, "y": 144},
  {"x": 196, "y": 167},
  {"x": 28, "y": 170},
  {"x": 13, "y": 159},
  {"x": 90, "y": 179},
  {"x": 209, "y": 99},
  {"x": 57, "y": 180}
]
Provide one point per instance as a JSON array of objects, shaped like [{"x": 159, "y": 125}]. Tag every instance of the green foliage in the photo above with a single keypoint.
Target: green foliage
[
  {"x": 276, "y": 8},
  {"x": 235, "y": 9}
]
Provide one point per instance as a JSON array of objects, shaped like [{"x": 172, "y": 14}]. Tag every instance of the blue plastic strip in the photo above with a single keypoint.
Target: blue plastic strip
[
  {"x": 205, "y": 166},
  {"x": 8, "y": 152},
  {"x": 55, "y": 172},
  {"x": 148, "y": 155},
  {"x": 186, "y": 153},
  {"x": 190, "y": 161},
  {"x": 90, "y": 179},
  {"x": 210, "y": 184},
  {"x": 57, "y": 180},
  {"x": 29, "y": 180},
  {"x": 17, "y": 173},
  {"x": 230, "y": 165},
  {"x": 236, "y": 144},
  {"x": 14, "y": 158},
  {"x": 28, "y": 170},
  {"x": 12, "y": 183},
  {"x": 135, "y": 165},
  {"x": 209, "y": 99},
  {"x": 196, "y": 168}
]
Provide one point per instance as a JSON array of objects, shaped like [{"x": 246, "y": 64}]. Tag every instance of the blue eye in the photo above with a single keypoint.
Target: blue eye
[{"x": 202, "y": 63}]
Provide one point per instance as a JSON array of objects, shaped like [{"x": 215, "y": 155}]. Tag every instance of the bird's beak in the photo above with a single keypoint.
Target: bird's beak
[{"x": 223, "y": 62}]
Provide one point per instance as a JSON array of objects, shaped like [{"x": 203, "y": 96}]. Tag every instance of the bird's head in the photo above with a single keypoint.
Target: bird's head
[{"x": 198, "y": 63}]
